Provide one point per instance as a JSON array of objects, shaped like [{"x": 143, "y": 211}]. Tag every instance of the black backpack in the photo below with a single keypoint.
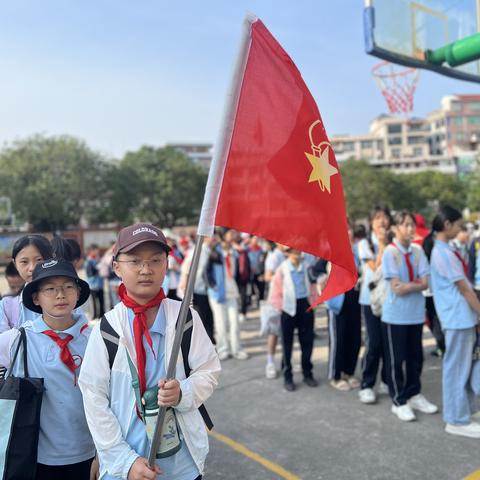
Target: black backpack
[{"x": 110, "y": 338}]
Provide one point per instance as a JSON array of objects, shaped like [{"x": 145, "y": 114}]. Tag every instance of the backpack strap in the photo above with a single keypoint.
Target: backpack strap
[
  {"x": 186, "y": 342},
  {"x": 110, "y": 338}
]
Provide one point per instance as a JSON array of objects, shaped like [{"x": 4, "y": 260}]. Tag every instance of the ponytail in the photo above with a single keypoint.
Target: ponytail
[
  {"x": 428, "y": 244},
  {"x": 445, "y": 214}
]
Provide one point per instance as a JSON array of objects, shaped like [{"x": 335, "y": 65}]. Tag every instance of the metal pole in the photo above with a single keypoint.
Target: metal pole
[{"x": 177, "y": 342}]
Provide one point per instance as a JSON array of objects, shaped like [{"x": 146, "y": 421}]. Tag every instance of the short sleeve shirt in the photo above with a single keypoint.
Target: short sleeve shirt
[
  {"x": 406, "y": 309},
  {"x": 453, "y": 310},
  {"x": 365, "y": 253}
]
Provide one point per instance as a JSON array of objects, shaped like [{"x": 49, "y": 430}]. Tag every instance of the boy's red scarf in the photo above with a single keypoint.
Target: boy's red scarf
[{"x": 140, "y": 329}]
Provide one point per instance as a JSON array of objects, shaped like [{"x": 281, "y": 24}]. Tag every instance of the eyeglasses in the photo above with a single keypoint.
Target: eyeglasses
[
  {"x": 137, "y": 265},
  {"x": 67, "y": 289}
]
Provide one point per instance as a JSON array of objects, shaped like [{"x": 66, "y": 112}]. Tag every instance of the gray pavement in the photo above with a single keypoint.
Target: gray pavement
[{"x": 321, "y": 433}]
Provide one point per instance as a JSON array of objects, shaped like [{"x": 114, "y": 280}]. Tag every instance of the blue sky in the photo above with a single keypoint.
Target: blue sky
[{"x": 120, "y": 74}]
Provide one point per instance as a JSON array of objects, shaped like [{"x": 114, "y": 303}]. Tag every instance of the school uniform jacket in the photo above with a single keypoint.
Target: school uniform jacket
[
  {"x": 283, "y": 290},
  {"x": 109, "y": 398}
]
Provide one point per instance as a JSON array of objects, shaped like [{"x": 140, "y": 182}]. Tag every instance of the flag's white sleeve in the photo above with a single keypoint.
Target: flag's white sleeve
[{"x": 222, "y": 147}]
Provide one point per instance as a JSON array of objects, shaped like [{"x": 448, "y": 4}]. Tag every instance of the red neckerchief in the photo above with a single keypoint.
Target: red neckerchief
[
  {"x": 65, "y": 354},
  {"x": 178, "y": 258},
  {"x": 255, "y": 248},
  {"x": 411, "y": 275},
  {"x": 228, "y": 264},
  {"x": 463, "y": 262},
  {"x": 140, "y": 329}
]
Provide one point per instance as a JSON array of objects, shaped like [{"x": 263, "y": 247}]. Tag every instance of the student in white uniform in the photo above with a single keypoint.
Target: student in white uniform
[
  {"x": 405, "y": 270},
  {"x": 119, "y": 396},
  {"x": 27, "y": 252},
  {"x": 370, "y": 252},
  {"x": 458, "y": 309},
  {"x": 56, "y": 341}
]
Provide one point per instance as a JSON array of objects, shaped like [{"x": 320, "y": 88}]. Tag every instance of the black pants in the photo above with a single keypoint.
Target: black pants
[
  {"x": 244, "y": 297},
  {"x": 303, "y": 322},
  {"x": 98, "y": 303},
  {"x": 404, "y": 357},
  {"x": 345, "y": 333},
  {"x": 75, "y": 471},
  {"x": 258, "y": 286},
  {"x": 373, "y": 350},
  {"x": 434, "y": 324},
  {"x": 202, "y": 306}
]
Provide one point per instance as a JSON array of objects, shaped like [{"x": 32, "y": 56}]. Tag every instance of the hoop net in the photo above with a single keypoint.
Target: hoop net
[{"x": 397, "y": 85}]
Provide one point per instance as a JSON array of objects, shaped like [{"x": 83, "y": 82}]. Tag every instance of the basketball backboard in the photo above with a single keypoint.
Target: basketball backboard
[{"x": 404, "y": 31}]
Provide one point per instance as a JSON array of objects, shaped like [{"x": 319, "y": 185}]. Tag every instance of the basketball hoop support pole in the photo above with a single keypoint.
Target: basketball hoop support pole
[{"x": 457, "y": 53}]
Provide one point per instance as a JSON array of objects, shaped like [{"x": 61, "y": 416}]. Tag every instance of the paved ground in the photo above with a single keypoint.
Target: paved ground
[{"x": 321, "y": 433}]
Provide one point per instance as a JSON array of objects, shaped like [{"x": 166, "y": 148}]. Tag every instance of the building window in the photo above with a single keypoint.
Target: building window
[
  {"x": 417, "y": 151},
  {"x": 415, "y": 140},
  {"x": 348, "y": 146},
  {"x": 456, "y": 107},
  {"x": 416, "y": 127},
  {"x": 395, "y": 141},
  {"x": 474, "y": 106},
  {"x": 366, "y": 144},
  {"x": 395, "y": 152},
  {"x": 460, "y": 136},
  {"x": 474, "y": 120},
  {"x": 395, "y": 128},
  {"x": 458, "y": 121}
]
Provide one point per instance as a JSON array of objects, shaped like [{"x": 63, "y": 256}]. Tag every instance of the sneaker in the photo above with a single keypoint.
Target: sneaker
[
  {"x": 367, "y": 395},
  {"x": 383, "y": 389},
  {"x": 242, "y": 318},
  {"x": 223, "y": 356},
  {"x": 471, "y": 430},
  {"x": 270, "y": 371},
  {"x": 241, "y": 355},
  {"x": 352, "y": 381},
  {"x": 404, "y": 412},
  {"x": 341, "y": 385},
  {"x": 420, "y": 403},
  {"x": 289, "y": 386},
  {"x": 310, "y": 381}
]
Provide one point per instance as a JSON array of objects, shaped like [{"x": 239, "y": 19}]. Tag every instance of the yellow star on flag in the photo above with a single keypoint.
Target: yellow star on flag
[{"x": 322, "y": 170}]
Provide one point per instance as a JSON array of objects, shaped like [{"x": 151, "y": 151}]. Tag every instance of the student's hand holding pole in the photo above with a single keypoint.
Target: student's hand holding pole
[
  {"x": 169, "y": 393},
  {"x": 141, "y": 471}
]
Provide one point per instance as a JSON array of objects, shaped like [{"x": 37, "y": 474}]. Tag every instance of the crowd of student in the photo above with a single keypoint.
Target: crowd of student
[{"x": 103, "y": 385}]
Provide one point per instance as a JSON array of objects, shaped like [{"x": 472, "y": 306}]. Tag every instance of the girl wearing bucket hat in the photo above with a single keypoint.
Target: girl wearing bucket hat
[{"x": 56, "y": 339}]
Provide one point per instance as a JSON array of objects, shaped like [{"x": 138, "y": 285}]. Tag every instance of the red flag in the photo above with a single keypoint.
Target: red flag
[{"x": 276, "y": 175}]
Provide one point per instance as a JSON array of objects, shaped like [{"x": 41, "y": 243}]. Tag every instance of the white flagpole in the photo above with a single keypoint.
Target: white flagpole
[
  {"x": 207, "y": 216},
  {"x": 222, "y": 147}
]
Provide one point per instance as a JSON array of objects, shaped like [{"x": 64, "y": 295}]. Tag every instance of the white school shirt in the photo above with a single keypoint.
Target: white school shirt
[
  {"x": 453, "y": 310},
  {"x": 365, "y": 254},
  {"x": 406, "y": 309},
  {"x": 109, "y": 399},
  {"x": 13, "y": 314},
  {"x": 64, "y": 436}
]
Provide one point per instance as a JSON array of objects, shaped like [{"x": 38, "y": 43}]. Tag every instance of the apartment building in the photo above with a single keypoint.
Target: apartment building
[{"x": 446, "y": 140}]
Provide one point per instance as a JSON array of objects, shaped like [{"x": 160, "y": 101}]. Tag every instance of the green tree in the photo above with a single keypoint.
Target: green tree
[
  {"x": 364, "y": 187},
  {"x": 439, "y": 188},
  {"x": 473, "y": 192},
  {"x": 170, "y": 186},
  {"x": 50, "y": 180}
]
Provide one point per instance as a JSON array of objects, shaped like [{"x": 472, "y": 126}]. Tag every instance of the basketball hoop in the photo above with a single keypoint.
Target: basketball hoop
[{"x": 397, "y": 85}]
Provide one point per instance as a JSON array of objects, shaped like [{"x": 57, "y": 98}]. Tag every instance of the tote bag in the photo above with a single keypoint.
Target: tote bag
[{"x": 20, "y": 404}]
